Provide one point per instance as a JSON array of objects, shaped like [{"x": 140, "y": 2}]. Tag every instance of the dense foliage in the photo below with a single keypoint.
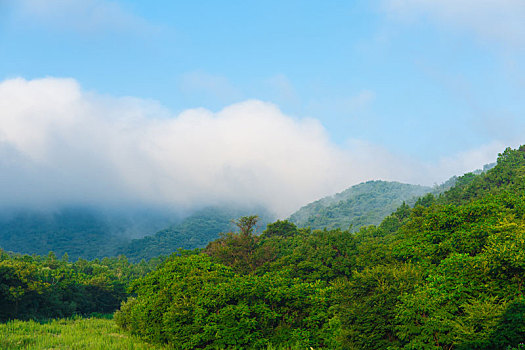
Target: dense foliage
[
  {"x": 193, "y": 302},
  {"x": 447, "y": 273},
  {"x": 360, "y": 205},
  {"x": 33, "y": 287}
]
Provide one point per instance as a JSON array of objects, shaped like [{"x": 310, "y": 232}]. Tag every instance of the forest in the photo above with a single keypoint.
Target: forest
[
  {"x": 446, "y": 272},
  {"x": 95, "y": 233},
  {"x": 364, "y": 204}
]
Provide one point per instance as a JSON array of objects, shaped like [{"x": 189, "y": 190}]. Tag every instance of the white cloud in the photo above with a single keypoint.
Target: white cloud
[
  {"x": 500, "y": 20},
  {"x": 61, "y": 145},
  {"x": 86, "y": 16}
]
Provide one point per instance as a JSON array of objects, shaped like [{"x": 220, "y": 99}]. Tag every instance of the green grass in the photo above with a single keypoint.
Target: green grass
[{"x": 76, "y": 333}]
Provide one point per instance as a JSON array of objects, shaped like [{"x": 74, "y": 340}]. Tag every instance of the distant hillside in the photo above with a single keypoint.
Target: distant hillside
[
  {"x": 196, "y": 231},
  {"x": 365, "y": 204},
  {"x": 90, "y": 234},
  {"x": 79, "y": 232}
]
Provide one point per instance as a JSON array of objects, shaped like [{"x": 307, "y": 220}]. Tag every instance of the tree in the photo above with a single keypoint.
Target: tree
[
  {"x": 239, "y": 250},
  {"x": 247, "y": 224},
  {"x": 280, "y": 228}
]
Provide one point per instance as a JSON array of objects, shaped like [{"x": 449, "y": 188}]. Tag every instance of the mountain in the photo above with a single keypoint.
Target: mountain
[
  {"x": 91, "y": 233},
  {"x": 78, "y": 231},
  {"x": 364, "y": 204},
  {"x": 195, "y": 231},
  {"x": 448, "y": 273}
]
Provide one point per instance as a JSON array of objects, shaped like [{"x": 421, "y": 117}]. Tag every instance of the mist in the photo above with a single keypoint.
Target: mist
[{"x": 62, "y": 145}]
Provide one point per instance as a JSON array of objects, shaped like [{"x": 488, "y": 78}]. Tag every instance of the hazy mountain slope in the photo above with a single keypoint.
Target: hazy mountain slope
[
  {"x": 196, "y": 231},
  {"x": 90, "y": 233},
  {"x": 363, "y": 204},
  {"x": 79, "y": 232}
]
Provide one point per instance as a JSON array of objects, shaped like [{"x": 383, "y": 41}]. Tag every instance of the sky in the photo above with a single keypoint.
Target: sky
[{"x": 276, "y": 103}]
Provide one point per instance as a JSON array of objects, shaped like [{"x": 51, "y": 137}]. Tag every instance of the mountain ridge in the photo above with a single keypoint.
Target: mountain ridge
[{"x": 363, "y": 204}]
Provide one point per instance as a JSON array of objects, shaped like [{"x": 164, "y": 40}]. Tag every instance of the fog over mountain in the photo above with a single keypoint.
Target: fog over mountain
[{"x": 62, "y": 145}]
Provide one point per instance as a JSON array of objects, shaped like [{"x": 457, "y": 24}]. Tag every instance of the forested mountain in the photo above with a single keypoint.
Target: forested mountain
[
  {"x": 445, "y": 273},
  {"x": 448, "y": 273},
  {"x": 364, "y": 204},
  {"x": 195, "y": 231},
  {"x": 78, "y": 231},
  {"x": 367, "y": 203},
  {"x": 89, "y": 233}
]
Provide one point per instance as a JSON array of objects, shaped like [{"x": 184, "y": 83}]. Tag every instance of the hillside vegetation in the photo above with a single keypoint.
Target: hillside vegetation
[
  {"x": 366, "y": 204},
  {"x": 448, "y": 273},
  {"x": 94, "y": 234},
  {"x": 34, "y": 287},
  {"x": 81, "y": 232},
  {"x": 360, "y": 205},
  {"x": 195, "y": 231}
]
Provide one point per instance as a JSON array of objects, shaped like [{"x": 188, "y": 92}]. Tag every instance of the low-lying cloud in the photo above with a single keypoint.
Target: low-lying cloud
[{"x": 60, "y": 145}]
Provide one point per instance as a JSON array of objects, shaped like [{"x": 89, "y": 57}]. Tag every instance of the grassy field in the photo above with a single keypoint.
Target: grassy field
[
  {"x": 76, "y": 333},
  {"x": 72, "y": 334}
]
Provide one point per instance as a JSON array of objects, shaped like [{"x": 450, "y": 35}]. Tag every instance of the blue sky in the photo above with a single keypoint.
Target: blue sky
[{"x": 438, "y": 84}]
